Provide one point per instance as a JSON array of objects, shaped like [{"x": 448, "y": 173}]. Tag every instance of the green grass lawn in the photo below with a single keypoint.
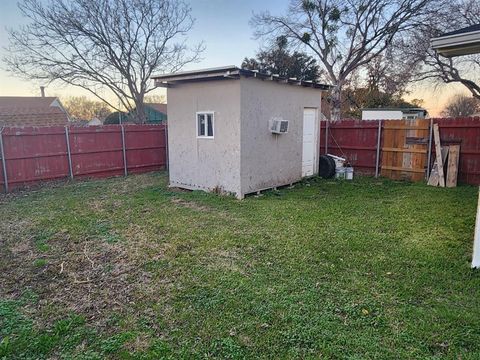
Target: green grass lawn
[{"x": 127, "y": 268}]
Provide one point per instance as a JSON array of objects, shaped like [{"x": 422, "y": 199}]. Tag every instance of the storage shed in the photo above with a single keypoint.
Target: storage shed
[{"x": 240, "y": 131}]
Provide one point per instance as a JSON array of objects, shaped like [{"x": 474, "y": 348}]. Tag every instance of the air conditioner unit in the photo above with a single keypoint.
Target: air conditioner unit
[{"x": 279, "y": 126}]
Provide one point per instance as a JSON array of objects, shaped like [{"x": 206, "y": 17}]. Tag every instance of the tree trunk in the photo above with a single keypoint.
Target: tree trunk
[
  {"x": 336, "y": 102},
  {"x": 140, "y": 115}
]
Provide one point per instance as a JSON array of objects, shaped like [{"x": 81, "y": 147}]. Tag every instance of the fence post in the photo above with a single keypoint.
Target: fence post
[
  {"x": 125, "y": 170},
  {"x": 319, "y": 139},
  {"x": 4, "y": 162},
  {"x": 429, "y": 156},
  {"x": 67, "y": 138},
  {"x": 326, "y": 136},
  {"x": 166, "y": 146},
  {"x": 379, "y": 139}
]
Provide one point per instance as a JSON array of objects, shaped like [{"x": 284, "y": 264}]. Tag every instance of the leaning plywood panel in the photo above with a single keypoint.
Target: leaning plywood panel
[
  {"x": 434, "y": 179},
  {"x": 441, "y": 175},
  {"x": 452, "y": 168}
]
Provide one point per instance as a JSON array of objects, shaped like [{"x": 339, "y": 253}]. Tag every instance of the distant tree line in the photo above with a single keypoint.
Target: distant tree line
[
  {"x": 369, "y": 51},
  {"x": 83, "y": 108},
  {"x": 462, "y": 105}
]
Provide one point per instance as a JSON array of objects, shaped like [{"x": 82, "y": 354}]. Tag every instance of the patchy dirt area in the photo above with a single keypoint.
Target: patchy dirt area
[
  {"x": 95, "y": 272},
  {"x": 90, "y": 277}
]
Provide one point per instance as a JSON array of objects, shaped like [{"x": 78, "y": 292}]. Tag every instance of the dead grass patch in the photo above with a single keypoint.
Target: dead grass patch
[
  {"x": 85, "y": 276},
  {"x": 226, "y": 260},
  {"x": 189, "y": 204}
]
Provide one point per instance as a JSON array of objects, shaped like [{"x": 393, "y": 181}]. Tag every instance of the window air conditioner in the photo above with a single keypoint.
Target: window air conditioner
[{"x": 279, "y": 126}]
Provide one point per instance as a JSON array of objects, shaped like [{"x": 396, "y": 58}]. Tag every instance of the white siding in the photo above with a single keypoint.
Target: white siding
[{"x": 382, "y": 115}]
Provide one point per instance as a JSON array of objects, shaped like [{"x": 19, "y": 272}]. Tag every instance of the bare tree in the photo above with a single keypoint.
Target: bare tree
[
  {"x": 155, "y": 99},
  {"x": 82, "y": 108},
  {"x": 427, "y": 64},
  {"x": 103, "y": 46},
  {"x": 461, "y": 105},
  {"x": 345, "y": 35}
]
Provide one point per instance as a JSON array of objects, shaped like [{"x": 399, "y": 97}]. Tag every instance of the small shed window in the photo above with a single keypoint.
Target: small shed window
[{"x": 205, "y": 121}]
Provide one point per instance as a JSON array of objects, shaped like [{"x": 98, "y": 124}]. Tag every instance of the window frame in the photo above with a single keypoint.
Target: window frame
[{"x": 206, "y": 129}]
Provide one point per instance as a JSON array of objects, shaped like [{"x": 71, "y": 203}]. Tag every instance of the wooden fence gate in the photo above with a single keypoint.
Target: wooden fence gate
[
  {"x": 405, "y": 149},
  {"x": 401, "y": 149}
]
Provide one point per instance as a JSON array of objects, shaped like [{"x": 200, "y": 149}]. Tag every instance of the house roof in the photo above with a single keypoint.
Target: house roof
[
  {"x": 397, "y": 109},
  {"x": 463, "y": 31},
  {"x": 158, "y": 107},
  {"x": 228, "y": 72},
  {"x": 463, "y": 41},
  {"x": 31, "y": 111},
  {"x": 404, "y": 109}
]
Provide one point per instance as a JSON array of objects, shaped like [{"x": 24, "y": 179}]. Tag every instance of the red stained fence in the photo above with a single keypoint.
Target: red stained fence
[
  {"x": 357, "y": 141},
  {"x": 40, "y": 154}
]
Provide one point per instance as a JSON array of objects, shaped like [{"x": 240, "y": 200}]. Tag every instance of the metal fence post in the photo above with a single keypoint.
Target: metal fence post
[
  {"x": 4, "y": 162},
  {"x": 166, "y": 146},
  {"x": 69, "y": 154},
  {"x": 326, "y": 136},
  {"x": 429, "y": 156},
  {"x": 379, "y": 138},
  {"x": 319, "y": 139},
  {"x": 125, "y": 170}
]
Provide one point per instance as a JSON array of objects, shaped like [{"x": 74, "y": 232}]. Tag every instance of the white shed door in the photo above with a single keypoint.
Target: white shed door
[{"x": 309, "y": 142}]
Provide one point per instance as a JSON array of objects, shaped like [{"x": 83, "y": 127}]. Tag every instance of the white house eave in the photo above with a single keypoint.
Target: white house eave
[{"x": 457, "y": 44}]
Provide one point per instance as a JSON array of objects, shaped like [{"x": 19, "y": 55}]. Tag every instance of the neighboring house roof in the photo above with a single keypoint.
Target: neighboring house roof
[
  {"x": 158, "y": 107},
  {"x": 229, "y": 72},
  {"x": 155, "y": 113},
  {"x": 463, "y": 41},
  {"x": 409, "y": 110},
  {"x": 31, "y": 111},
  {"x": 95, "y": 122},
  {"x": 463, "y": 31}
]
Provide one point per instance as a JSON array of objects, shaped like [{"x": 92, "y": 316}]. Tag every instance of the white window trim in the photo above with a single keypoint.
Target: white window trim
[{"x": 213, "y": 124}]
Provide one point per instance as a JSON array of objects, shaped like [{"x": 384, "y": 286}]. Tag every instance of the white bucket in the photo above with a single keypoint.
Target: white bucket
[
  {"x": 349, "y": 173},
  {"x": 340, "y": 173}
]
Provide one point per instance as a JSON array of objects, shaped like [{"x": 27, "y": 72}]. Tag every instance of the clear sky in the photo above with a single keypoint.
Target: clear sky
[{"x": 224, "y": 27}]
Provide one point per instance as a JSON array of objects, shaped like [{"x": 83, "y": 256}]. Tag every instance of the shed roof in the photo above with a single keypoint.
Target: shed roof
[
  {"x": 228, "y": 72},
  {"x": 31, "y": 111}
]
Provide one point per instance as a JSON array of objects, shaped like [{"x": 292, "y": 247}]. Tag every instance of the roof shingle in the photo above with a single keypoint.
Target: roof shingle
[
  {"x": 463, "y": 31},
  {"x": 31, "y": 111}
]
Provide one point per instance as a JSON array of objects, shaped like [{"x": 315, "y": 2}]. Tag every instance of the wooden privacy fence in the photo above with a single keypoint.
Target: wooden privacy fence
[
  {"x": 402, "y": 149},
  {"x": 32, "y": 155}
]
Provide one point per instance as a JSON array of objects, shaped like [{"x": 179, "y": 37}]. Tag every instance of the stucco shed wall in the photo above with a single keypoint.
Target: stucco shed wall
[
  {"x": 269, "y": 160},
  {"x": 205, "y": 164}
]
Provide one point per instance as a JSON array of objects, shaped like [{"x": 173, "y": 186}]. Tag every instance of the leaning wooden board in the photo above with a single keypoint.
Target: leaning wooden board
[
  {"x": 434, "y": 179},
  {"x": 452, "y": 167},
  {"x": 438, "y": 151}
]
